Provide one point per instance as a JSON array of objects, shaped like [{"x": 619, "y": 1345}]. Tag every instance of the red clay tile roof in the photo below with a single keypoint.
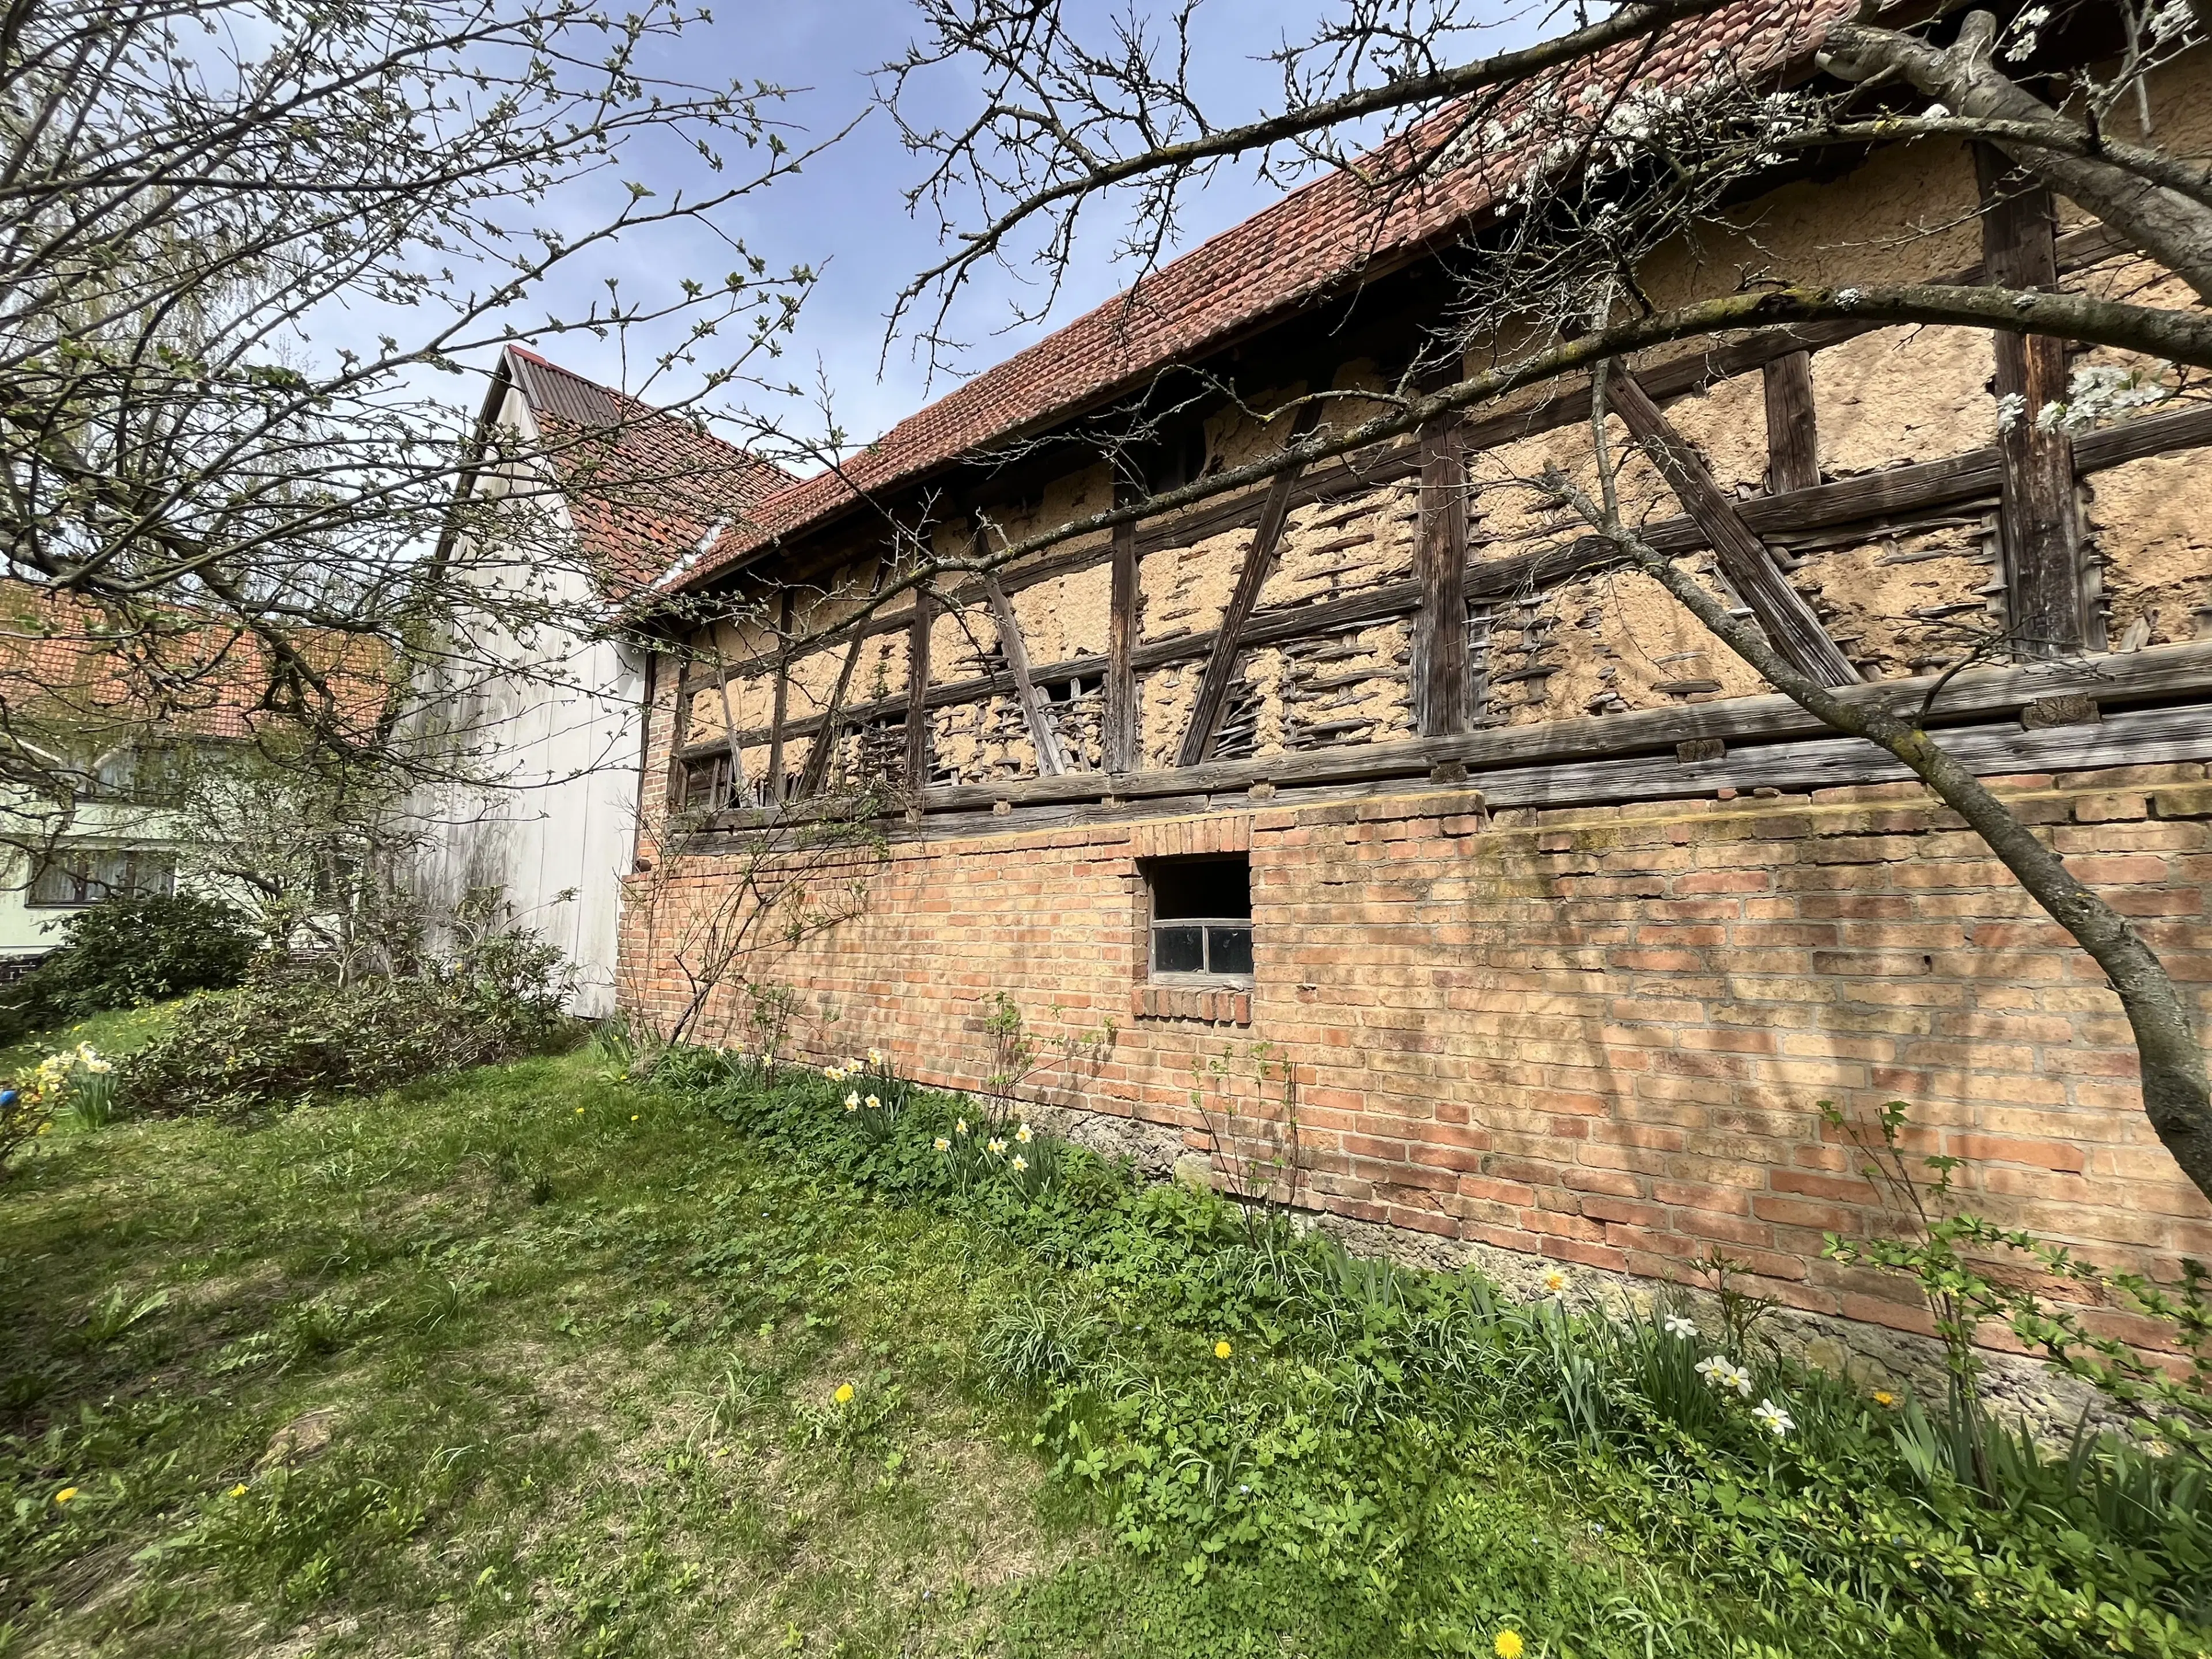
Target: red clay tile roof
[
  {"x": 1305, "y": 246},
  {"x": 64, "y": 666},
  {"x": 644, "y": 487}
]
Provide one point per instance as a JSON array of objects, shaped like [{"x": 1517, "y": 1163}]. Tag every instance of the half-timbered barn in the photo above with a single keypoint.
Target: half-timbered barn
[{"x": 1403, "y": 833}]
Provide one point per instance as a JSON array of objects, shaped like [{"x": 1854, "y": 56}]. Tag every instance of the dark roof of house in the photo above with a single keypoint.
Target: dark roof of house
[
  {"x": 644, "y": 487},
  {"x": 1315, "y": 241}
]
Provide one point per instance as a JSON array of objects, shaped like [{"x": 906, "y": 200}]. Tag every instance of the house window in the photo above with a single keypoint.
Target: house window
[
  {"x": 69, "y": 880},
  {"x": 1202, "y": 919}
]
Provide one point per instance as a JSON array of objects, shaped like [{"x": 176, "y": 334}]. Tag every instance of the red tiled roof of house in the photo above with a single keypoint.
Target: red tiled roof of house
[
  {"x": 1303, "y": 246},
  {"x": 65, "y": 665},
  {"x": 644, "y": 486}
]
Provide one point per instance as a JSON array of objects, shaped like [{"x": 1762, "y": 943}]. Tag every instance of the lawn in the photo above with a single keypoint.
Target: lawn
[{"x": 534, "y": 1360}]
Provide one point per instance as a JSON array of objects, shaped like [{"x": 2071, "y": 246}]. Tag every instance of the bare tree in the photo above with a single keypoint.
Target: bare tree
[{"x": 246, "y": 248}]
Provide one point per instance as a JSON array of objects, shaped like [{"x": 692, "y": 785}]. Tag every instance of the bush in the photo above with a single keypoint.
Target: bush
[
  {"x": 281, "y": 1040},
  {"x": 124, "y": 952}
]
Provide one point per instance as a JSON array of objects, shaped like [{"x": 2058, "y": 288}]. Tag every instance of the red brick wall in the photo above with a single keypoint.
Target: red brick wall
[{"x": 1599, "y": 1033}]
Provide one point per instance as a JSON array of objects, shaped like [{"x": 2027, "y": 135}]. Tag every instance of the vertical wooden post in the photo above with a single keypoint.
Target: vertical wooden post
[
  {"x": 1793, "y": 444},
  {"x": 2039, "y": 518},
  {"x": 1120, "y": 731},
  {"x": 1440, "y": 656},
  {"x": 780, "y": 710},
  {"x": 917, "y": 691}
]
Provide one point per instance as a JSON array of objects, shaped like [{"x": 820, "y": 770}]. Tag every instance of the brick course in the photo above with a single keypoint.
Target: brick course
[{"x": 1598, "y": 1034}]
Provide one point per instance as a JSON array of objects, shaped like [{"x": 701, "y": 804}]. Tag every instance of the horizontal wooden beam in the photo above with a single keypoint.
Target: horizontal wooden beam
[
  {"x": 2158, "y": 674},
  {"x": 2148, "y": 737}
]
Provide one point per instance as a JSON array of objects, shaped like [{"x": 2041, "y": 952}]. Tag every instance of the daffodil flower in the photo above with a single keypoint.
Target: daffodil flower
[
  {"x": 1023, "y": 1135},
  {"x": 1555, "y": 1281},
  {"x": 1771, "y": 1416},
  {"x": 1020, "y": 1163},
  {"x": 959, "y": 1126},
  {"x": 943, "y": 1145},
  {"x": 853, "y": 1101},
  {"x": 873, "y": 1104},
  {"x": 1678, "y": 1326},
  {"x": 996, "y": 1148}
]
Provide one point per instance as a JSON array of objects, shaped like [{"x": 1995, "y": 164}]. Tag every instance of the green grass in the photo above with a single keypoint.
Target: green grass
[
  {"x": 551, "y": 1427},
  {"x": 533, "y": 1361}
]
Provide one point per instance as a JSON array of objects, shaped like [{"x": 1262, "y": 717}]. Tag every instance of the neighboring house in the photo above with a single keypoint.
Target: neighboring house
[
  {"x": 117, "y": 839},
  {"x": 610, "y": 496},
  {"x": 1549, "y": 928},
  {"x": 117, "y": 731}
]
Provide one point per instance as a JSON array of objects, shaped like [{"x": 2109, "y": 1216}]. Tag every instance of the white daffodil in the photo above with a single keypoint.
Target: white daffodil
[
  {"x": 876, "y": 1058},
  {"x": 1723, "y": 1372},
  {"x": 873, "y": 1104},
  {"x": 1023, "y": 1135},
  {"x": 853, "y": 1101},
  {"x": 1678, "y": 1326},
  {"x": 1020, "y": 1163},
  {"x": 1771, "y": 1416},
  {"x": 1555, "y": 1281},
  {"x": 995, "y": 1147},
  {"x": 959, "y": 1126},
  {"x": 943, "y": 1145}
]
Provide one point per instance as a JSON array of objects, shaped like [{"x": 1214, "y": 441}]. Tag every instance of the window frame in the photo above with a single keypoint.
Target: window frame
[{"x": 1205, "y": 977}]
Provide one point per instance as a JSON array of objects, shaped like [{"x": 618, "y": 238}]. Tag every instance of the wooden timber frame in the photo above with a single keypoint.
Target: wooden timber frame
[{"x": 2018, "y": 481}]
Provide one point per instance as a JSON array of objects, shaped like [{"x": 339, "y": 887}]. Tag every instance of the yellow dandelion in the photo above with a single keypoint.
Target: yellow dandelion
[
  {"x": 1222, "y": 1350},
  {"x": 65, "y": 1494},
  {"x": 1883, "y": 1397},
  {"x": 580, "y": 1111},
  {"x": 844, "y": 1394},
  {"x": 633, "y": 1117},
  {"x": 1509, "y": 1644},
  {"x": 239, "y": 1491}
]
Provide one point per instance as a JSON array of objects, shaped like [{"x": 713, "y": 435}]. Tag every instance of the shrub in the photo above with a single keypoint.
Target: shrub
[
  {"x": 124, "y": 952},
  {"x": 282, "y": 1040}
]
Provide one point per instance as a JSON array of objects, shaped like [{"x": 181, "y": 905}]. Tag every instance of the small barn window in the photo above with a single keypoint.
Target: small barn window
[{"x": 1202, "y": 919}]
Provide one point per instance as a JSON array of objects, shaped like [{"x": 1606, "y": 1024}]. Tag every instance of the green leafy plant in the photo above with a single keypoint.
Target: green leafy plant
[
  {"x": 281, "y": 1040},
  {"x": 127, "y": 950},
  {"x": 1949, "y": 1256}
]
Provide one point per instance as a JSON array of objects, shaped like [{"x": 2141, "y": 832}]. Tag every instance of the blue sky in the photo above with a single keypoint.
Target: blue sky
[{"x": 845, "y": 214}]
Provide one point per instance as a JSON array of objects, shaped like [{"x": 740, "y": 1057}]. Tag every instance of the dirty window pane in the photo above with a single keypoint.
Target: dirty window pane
[
  {"x": 1229, "y": 949},
  {"x": 1178, "y": 950}
]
